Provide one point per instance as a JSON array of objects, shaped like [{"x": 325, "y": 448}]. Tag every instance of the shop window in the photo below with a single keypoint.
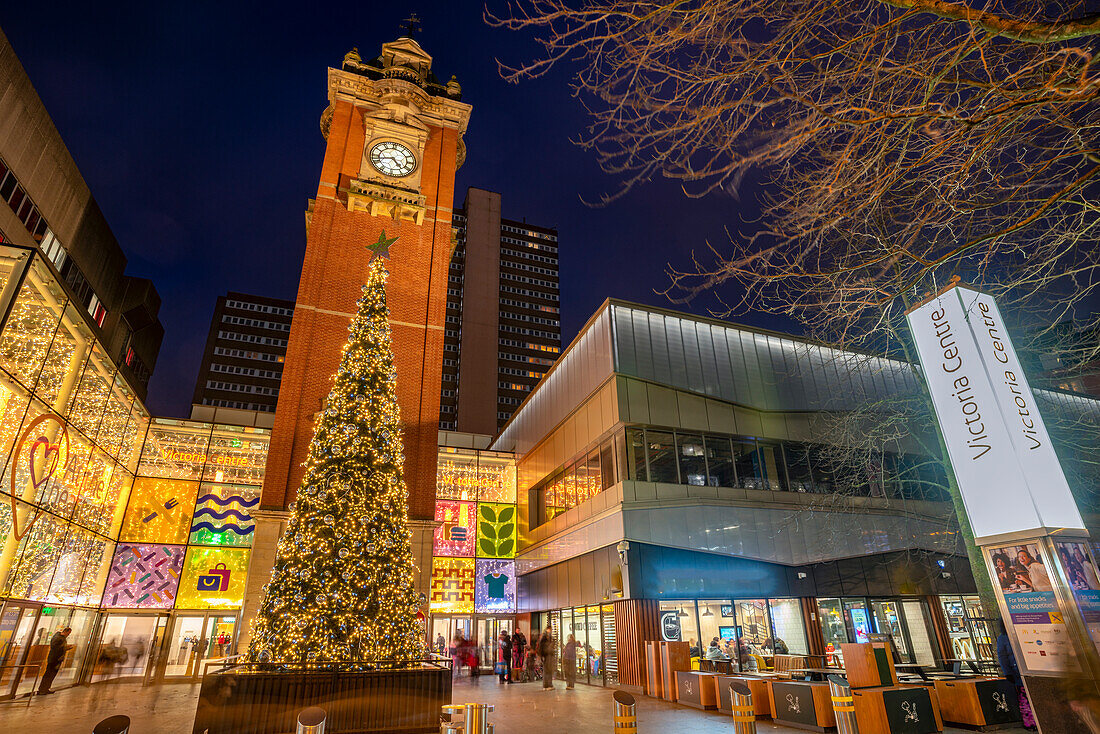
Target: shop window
[
  {"x": 607, "y": 465},
  {"x": 175, "y": 449},
  {"x": 495, "y": 586},
  {"x": 754, "y": 625},
  {"x": 213, "y": 578},
  {"x": 635, "y": 455},
  {"x": 775, "y": 478},
  {"x": 831, "y": 618},
  {"x": 457, "y": 534},
  {"x": 67, "y": 356},
  {"x": 593, "y": 483},
  {"x": 720, "y": 462},
  {"x": 452, "y": 586},
  {"x": 787, "y": 626},
  {"x": 496, "y": 530},
  {"x": 677, "y": 621},
  {"x": 31, "y": 324},
  {"x": 223, "y": 515},
  {"x": 159, "y": 511},
  {"x": 661, "y": 453},
  {"x": 716, "y": 621},
  {"x": 693, "y": 464},
  {"x": 747, "y": 462},
  {"x": 798, "y": 467},
  {"x": 456, "y": 475},
  {"x": 144, "y": 576}
]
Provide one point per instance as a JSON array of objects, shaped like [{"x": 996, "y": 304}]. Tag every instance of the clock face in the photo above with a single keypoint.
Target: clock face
[{"x": 393, "y": 159}]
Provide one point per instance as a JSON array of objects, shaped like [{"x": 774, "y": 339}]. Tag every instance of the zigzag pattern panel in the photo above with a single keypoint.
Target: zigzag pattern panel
[{"x": 223, "y": 515}]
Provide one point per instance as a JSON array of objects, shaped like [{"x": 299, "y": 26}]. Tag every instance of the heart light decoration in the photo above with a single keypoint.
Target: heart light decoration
[{"x": 49, "y": 454}]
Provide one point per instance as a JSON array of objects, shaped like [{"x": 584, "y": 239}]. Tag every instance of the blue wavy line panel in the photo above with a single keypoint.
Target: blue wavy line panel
[
  {"x": 222, "y": 515},
  {"x": 229, "y": 500},
  {"x": 220, "y": 528}
]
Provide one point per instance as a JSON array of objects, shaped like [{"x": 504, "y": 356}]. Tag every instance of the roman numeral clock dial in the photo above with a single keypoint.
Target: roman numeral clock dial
[{"x": 393, "y": 159}]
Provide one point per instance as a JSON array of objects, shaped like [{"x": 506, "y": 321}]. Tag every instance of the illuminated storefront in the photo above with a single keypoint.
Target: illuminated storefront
[
  {"x": 473, "y": 585},
  {"x": 133, "y": 531}
]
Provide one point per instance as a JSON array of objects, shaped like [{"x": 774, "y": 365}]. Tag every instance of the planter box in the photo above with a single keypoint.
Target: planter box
[{"x": 247, "y": 700}]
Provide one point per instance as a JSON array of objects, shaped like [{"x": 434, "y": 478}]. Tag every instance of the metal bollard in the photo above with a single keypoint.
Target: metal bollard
[
  {"x": 311, "y": 721},
  {"x": 626, "y": 722},
  {"x": 744, "y": 713},
  {"x": 844, "y": 705},
  {"x": 475, "y": 719},
  {"x": 113, "y": 725}
]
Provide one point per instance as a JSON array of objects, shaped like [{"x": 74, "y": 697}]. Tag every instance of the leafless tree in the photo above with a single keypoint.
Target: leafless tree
[{"x": 897, "y": 143}]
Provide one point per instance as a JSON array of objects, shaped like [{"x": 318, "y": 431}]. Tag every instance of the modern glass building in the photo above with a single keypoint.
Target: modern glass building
[
  {"x": 680, "y": 477},
  {"x": 133, "y": 531}
]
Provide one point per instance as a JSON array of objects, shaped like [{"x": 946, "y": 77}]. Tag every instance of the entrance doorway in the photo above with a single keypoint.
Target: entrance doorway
[
  {"x": 17, "y": 624},
  {"x": 127, "y": 646},
  {"x": 196, "y": 639}
]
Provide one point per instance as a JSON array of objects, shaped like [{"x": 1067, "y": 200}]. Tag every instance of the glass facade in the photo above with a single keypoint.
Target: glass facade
[
  {"x": 473, "y": 566},
  {"x": 742, "y": 462},
  {"x": 104, "y": 508}
]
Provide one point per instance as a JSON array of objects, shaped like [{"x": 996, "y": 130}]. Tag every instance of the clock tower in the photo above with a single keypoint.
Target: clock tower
[{"x": 394, "y": 141}]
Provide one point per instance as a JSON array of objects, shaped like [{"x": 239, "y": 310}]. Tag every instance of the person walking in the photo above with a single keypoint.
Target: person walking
[
  {"x": 1006, "y": 659},
  {"x": 569, "y": 661},
  {"x": 54, "y": 659},
  {"x": 519, "y": 645},
  {"x": 504, "y": 657},
  {"x": 549, "y": 654}
]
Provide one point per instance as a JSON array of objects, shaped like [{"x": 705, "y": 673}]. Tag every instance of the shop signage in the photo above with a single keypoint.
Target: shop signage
[
  {"x": 1008, "y": 475},
  {"x": 670, "y": 626},
  {"x": 48, "y": 452}
]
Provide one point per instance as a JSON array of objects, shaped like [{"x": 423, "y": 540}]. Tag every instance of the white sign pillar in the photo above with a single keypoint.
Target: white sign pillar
[{"x": 1017, "y": 500}]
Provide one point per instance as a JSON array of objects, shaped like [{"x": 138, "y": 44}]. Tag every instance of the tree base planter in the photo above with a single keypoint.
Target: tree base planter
[{"x": 250, "y": 699}]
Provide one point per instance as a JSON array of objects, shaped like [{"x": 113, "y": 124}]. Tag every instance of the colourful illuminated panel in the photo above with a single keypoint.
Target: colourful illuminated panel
[
  {"x": 452, "y": 588},
  {"x": 495, "y": 586},
  {"x": 144, "y": 576},
  {"x": 159, "y": 511},
  {"x": 213, "y": 578},
  {"x": 496, "y": 530},
  {"x": 455, "y": 537},
  {"x": 223, "y": 515}
]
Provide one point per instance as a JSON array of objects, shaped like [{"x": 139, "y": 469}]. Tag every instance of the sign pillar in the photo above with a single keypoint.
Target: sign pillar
[{"x": 1018, "y": 501}]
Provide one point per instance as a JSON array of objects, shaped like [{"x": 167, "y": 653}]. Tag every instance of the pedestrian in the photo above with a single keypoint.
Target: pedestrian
[
  {"x": 458, "y": 654},
  {"x": 569, "y": 661},
  {"x": 519, "y": 645},
  {"x": 531, "y": 668},
  {"x": 504, "y": 657},
  {"x": 548, "y": 651},
  {"x": 54, "y": 659},
  {"x": 440, "y": 643},
  {"x": 1006, "y": 659},
  {"x": 473, "y": 657}
]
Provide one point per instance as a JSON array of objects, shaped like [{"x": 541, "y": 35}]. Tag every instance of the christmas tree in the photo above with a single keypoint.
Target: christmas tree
[{"x": 342, "y": 586}]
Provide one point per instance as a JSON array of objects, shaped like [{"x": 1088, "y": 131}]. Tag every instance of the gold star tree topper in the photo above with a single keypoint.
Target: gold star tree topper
[{"x": 381, "y": 248}]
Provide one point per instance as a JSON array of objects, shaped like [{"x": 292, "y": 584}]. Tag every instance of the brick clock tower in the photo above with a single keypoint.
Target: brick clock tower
[{"x": 394, "y": 135}]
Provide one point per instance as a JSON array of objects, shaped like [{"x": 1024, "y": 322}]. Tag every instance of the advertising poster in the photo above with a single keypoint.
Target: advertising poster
[
  {"x": 1081, "y": 573},
  {"x": 862, "y": 625},
  {"x": 1024, "y": 580}
]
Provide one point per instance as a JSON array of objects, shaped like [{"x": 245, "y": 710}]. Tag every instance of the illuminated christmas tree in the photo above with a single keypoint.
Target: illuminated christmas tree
[{"x": 342, "y": 586}]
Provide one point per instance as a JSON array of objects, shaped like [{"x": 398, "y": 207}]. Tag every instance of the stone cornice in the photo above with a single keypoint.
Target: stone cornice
[{"x": 365, "y": 92}]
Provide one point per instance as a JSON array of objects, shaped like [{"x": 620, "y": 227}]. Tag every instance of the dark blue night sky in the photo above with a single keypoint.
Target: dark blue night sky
[{"x": 196, "y": 127}]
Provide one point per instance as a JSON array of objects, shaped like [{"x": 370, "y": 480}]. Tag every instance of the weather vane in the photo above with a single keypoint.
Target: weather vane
[
  {"x": 381, "y": 248},
  {"x": 412, "y": 25}
]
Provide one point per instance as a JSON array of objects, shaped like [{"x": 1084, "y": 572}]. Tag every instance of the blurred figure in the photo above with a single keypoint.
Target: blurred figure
[
  {"x": 440, "y": 644},
  {"x": 531, "y": 664},
  {"x": 458, "y": 654},
  {"x": 1006, "y": 659},
  {"x": 54, "y": 659},
  {"x": 519, "y": 648},
  {"x": 569, "y": 661},
  {"x": 549, "y": 654},
  {"x": 504, "y": 657}
]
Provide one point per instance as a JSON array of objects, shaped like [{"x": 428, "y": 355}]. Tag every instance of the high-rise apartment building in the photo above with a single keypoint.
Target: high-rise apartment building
[
  {"x": 503, "y": 326},
  {"x": 245, "y": 349}
]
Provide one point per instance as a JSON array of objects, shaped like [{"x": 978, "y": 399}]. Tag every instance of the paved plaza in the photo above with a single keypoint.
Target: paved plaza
[{"x": 519, "y": 709}]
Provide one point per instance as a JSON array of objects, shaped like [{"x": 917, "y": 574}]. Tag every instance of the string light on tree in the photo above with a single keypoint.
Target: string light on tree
[{"x": 342, "y": 585}]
